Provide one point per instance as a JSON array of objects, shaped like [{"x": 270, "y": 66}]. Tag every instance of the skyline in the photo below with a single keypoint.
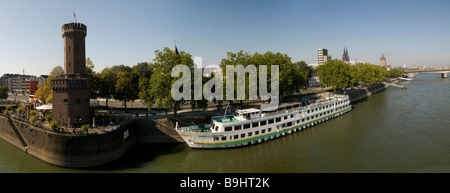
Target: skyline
[{"x": 128, "y": 32}]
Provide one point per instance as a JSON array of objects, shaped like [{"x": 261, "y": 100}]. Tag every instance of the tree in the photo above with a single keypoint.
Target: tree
[
  {"x": 3, "y": 92},
  {"x": 124, "y": 91},
  {"x": 108, "y": 80},
  {"x": 94, "y": 79},
  {"x": 157, "y": 88},
  {"x": 335, "y": 73},
  {"x": 44, "y": 92}
]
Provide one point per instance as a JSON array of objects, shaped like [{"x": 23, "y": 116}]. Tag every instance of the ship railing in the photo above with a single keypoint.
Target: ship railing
[{"x": 204, "y": 128}]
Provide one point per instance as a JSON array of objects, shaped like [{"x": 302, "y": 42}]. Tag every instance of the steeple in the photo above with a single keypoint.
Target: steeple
[
  {"x": 345, "y": 56},
  {"x": 175, "y": 50}
]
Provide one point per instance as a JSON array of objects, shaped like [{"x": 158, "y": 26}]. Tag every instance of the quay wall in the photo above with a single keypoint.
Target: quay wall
[
  {"x": 358, "y": 94},
  {"x": 67, "y": 150}
]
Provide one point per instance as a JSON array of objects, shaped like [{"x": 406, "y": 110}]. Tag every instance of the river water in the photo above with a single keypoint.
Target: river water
[{"x": 392, "y": 131}]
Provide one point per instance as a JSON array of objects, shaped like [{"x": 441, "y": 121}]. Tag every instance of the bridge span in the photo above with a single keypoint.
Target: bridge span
[{"x": 443, "y": 72}]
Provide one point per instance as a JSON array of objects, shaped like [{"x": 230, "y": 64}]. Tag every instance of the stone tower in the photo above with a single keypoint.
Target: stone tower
[
  {"x": 71, "y": 90},
  {"x": 383, "y": 61},
  {"x": 345, "y": 56}
]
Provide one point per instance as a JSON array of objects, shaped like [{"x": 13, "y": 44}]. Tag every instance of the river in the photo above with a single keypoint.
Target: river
[{"x": 398, "y": 131}]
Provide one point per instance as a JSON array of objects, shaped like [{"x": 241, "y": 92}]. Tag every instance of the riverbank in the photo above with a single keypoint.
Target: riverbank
[{"x": 97, "y": 148}]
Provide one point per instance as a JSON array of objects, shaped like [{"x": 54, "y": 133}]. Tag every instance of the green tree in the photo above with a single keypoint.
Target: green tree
[
  {"x": 94, "y": 79},
  {"x": 3, "y": 92},
  {"x": 44, "y": 92},
  {"x": 125, "y": 92},
  {"x": 335, "y": 73},
  {"x": 157, "y": 88},
  {"x": 108, "y": 80}
]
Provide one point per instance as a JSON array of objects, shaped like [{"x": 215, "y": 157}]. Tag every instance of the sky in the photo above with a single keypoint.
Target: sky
[{"x": 411, "y": 32}]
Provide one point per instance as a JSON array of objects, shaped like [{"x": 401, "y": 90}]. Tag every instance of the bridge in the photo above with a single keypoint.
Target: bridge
[{"x": 442, "y": 71}]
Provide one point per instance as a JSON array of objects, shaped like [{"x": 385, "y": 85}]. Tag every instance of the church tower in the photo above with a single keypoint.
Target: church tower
[
  {"x": 383, "y": 61},
  {"x": 71, "y": 90},
  {"x": 345, "y": 56}
]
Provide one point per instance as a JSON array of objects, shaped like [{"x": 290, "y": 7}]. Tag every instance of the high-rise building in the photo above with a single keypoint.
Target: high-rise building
[
  {"x": 322, "y": 56},
  {"x": 71, "y": 91}
]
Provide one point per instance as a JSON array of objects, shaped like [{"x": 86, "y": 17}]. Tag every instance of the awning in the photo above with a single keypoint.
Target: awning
[{"x": 45, "y": 107}]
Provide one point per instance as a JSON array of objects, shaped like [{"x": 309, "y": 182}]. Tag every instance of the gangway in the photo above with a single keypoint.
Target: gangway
[{"x": 396, "y": 85}]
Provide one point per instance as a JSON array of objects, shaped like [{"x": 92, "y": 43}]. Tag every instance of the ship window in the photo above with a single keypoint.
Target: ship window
[
  {"x": 224, "y": 138},
  {"x": 216, "y": 138},
  {"x": 228, "y": 129},
  {"x": 285, "y": 117},
  {"x": 292, "y": 115},
  {"x": 263, "y": 123},
  {"x": 255, "y": 124},
  {"x": 271, "y": 121},
  {"x": 308, "y": 111},
  {"x": 249, "y": 134},
  {"x": 289, "y": 124},
  {"x": 263, "y": 131},
  {"x": 243, "y": 135},
  {"x": 236, "y": 136},
  {"x": 269, "y": 130},
  {"x": 303, "y": 120},
  {"x": 246, "y": 126},
  {"x": 278, "y": 119},
  {"x": 256, "y": 132},
  {"x": 237, "y": 127}
]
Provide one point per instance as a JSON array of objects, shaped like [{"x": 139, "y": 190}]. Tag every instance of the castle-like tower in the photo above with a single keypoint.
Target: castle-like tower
[{"x": 71, "y": 90}]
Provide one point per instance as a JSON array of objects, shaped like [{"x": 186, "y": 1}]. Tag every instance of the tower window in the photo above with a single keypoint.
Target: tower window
[
  {"x": 65, "y": 100},
  {"x": 78, "y": 100}
]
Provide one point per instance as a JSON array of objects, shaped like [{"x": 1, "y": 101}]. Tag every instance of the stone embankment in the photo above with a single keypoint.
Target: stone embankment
[
  {"x": 358, "y": 94},
  {"x": 68, "y": 150}
]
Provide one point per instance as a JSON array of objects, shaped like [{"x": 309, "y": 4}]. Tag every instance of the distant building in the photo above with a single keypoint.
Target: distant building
[
  {"x": 322, "y": 56},
  {"x": 383, "y": 61},
  {"x": 16, "y": 83},
  {"x": 31, "y": 85},
  {"x": 345, "y": 56}
]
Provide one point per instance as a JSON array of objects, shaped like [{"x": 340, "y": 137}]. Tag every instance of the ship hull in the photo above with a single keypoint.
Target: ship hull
[{"x": 258, "y": 135}]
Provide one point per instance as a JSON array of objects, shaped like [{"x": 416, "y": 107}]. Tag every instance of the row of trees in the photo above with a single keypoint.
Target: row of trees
[
  {"x": 3, "y": 92},
  {"x": 340, "y": 75},
  {"x": 152, "y": 81}
]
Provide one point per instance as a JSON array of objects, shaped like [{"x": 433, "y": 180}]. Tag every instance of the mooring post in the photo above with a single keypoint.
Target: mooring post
[{"x": 444, "y": 75}]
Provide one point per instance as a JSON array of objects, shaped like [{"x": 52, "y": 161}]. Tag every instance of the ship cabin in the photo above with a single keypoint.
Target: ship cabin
[{"x": 247, "y": 114}]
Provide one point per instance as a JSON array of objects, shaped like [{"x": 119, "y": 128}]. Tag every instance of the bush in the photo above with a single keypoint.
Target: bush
[
  {"x": 32, "y": 112},
  {"x": 6, "y": 113},
  {"x": 53, "y": 125},
  {"x": 32, "y": 119},
  {"x": 20, "y": 109},
  {"x": 85, "y": 127},
  {"x": 9, "y": 108},
  {"x": 48, "y": 117}
]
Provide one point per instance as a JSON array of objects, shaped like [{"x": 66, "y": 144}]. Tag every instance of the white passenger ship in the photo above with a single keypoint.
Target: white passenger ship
[{"x": 250, "y": 126}]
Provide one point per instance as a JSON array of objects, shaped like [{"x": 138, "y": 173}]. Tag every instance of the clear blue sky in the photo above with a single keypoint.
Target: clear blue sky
[{"x": 128, "y": 32}]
